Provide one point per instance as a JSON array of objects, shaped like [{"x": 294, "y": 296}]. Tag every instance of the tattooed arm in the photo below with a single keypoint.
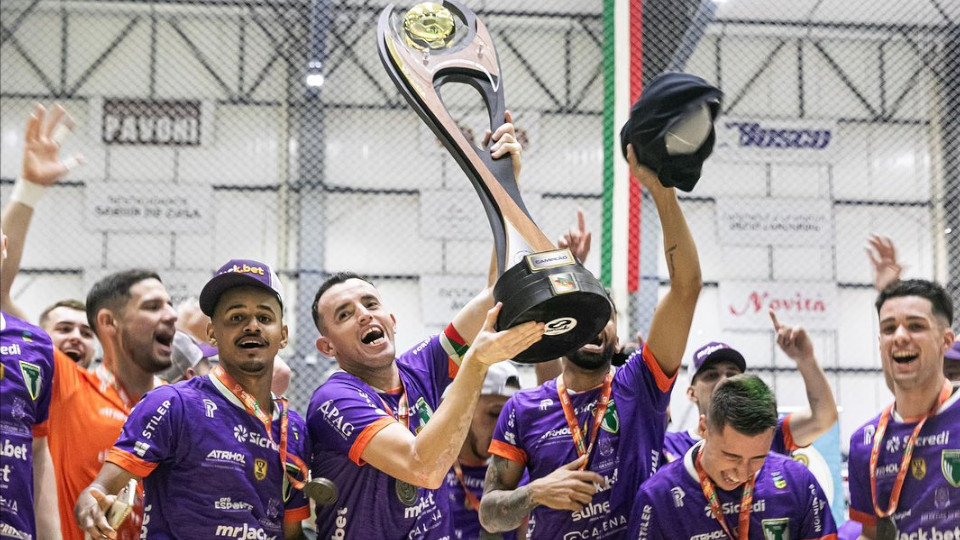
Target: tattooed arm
[{"x": 504, "y": 505}]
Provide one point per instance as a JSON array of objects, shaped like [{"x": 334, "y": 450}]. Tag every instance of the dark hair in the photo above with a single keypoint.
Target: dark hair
[
  {"x": 931, "y": 290},
  {"x": 113, "y": 291},
  {"x": 335, "y": 279},
  {"x": 69, "y": 303},
  {"x": 745, "y": 403}
]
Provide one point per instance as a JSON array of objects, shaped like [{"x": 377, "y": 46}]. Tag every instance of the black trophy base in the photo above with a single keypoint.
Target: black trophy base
[{"x": 567, "y": 297}]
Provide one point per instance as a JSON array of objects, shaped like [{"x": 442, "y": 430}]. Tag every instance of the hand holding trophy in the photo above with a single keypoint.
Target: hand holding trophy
[{"x": 434, "y": 44}]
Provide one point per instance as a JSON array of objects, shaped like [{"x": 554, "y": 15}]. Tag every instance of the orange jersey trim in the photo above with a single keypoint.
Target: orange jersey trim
[
  {"x": 366, "y": 436},
  {"x": 866, "y": 519},
  {"x": 297, "y": 514},
  {"x": 507, "y": 451},
  {"x": 788, "y": 441},
  {"x": 663, "y": 382},
  {"x": 129, "y": 462},
  {"x": 828, "y": 537},
  {"x": 41, "y": 430},
  {"x": 453, "y": 368}
]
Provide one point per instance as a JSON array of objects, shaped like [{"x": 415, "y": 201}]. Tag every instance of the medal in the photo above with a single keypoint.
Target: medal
[
  {"x": 582, "y": 447},
  {"x": 322, "y": 491},
  {"x": 886, "y": 529},
  {"x": 406, "y": 493}
]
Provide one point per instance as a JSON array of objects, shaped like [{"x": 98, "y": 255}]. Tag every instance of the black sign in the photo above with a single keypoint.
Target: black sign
[{"x": 151, "y": 122}]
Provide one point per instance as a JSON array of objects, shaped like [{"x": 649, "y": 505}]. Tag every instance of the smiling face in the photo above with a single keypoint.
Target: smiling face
[
  {"x": 355, "y": 327},
  {"x": 912, "y": 342},
  {"x": 71, "y": 334},
  {"x": 248, "y": 329},
  {"x": 146, "y": 326},
  {"x": 730, "y": 458},
  {"x": 598, "y": 353}
]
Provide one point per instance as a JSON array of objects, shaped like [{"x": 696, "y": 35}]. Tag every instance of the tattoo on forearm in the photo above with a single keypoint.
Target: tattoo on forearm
[
  {"x": 671, "y": 251},
  {"x": 504, "y": 506}
]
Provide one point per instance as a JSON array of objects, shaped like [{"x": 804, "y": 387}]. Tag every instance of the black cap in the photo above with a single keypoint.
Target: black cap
[{"x": 665, "y": 102}]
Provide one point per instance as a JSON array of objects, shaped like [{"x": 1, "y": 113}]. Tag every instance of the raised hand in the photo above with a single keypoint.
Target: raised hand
[
  {"x": 883, "y": 256},
  {"x": 41, "y": 160},
  {"x": 646, "y": 176},
  {"x": 491, "y": 346},
  {"x": 505, "y": 141},
  {"x": 567, "y": 488},
  {"x": 793, "y": 340},
  {"x": 577, "y": 238}
]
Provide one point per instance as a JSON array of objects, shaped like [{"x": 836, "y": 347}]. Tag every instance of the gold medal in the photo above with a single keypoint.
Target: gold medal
[
  {"x": 406, "y": 493},
  {"x": 887, "y": 529}
]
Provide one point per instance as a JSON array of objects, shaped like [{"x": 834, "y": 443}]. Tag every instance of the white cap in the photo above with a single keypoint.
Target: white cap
[{"x": 502, "y": 379}]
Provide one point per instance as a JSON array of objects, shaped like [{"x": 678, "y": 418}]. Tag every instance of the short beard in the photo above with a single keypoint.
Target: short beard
[{"x": 591, "y": 361}]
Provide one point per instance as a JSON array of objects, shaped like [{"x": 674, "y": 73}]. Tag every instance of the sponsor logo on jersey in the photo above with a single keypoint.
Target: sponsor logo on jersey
[
  {"x": 140, "y": 448},
  {"x": 227, "y": 456},
  {"x": 154, "y": 421},
  {"x": 591, "y": 510},
  {"x": 611, "y": 420},
  {"x": 678, "y": 495},
  {"x": 331, "y": 414},
  {"x": 918, "y": 468},
  {"x": 229, "y": 505},
  {"x": 32, "y": 377},
  {"x": 545, "y": 404},
  {"x": 243, "y": 532},
  {"x": 14, "y": 451},
  {"x": 11, "y": 350},
  {"x": 424, "y": 503},
  {"x": 950, "y": 465},
  {"x": 778, "y": 480},
  {"x": 210, "y": 406},
  {"x": 340, "y": 533},
  {"x": 733, "y": 507},
  {"x": 252, "y": 437},
  {"x": 259, "y": 469},
  {"x": 776, "y": 529}
]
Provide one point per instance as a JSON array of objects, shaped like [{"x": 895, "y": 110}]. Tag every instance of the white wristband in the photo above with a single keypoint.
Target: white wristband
[{"x": 26, "y": 192}]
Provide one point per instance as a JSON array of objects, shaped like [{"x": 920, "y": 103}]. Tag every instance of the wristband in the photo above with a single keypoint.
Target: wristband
[{"x": 26, "y": 192}]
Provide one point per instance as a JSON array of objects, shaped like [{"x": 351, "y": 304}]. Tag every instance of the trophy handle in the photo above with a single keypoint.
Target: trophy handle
[{"x": 473, "y": 61}]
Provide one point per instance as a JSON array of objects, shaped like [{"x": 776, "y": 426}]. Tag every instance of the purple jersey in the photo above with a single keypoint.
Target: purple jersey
[
  {"x": 210, "y": 469},
  {"x": 533, "y": 430},
  {"x": 930, "y": 498},
  {"x": 26, "y": 376},
  {"x": 345, "y": 414},
  {"x": 466, "y": 519},
  {"x": 788, "y": 503},
  {"x": 676, "y": 443}
]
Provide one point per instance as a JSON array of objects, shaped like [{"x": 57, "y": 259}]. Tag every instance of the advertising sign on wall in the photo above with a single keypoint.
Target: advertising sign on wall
[
  {"x": 775, "y": 141},
  {"x": 745, "y": 305},
  {"x": 777, "y": 222},
  {"x": 443, "y": 295},
  {"x": 121, "y": 206}
]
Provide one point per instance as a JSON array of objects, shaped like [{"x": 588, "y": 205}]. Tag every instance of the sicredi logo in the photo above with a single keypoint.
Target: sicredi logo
[{"x": 258, "y": 270}]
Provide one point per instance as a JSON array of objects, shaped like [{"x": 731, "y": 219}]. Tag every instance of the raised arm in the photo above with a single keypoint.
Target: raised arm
[
  {"x": 808, "y": 424},
  {"x": 504, "y": 505},
  {"x": 423, "y": 460},
  {"x": 883, "y": 257},
  {"x": 41, "y": 168},
  {"x": 671, "y": 322}
]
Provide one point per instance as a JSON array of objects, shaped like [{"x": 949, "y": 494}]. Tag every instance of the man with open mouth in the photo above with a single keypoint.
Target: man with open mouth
[{"x": 905, "y": 463}]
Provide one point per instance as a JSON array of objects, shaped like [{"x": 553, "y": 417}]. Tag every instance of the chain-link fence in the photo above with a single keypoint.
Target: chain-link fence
[{"x": 268, "y": 129}]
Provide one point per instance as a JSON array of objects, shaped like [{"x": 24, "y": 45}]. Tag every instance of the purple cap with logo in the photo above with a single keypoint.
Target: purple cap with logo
[
  {"x": 953, "y": 353},
  {"x": 714, "y": 352},
  {"x": 238, "y": 273}
]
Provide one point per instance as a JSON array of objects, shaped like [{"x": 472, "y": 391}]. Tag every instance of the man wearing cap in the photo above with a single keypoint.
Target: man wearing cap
[
  {"x": 186, "y": 361},
  {"x": 592, "y": 435},
  {"x": 904, "y": 464},
  {"x": 717, "y": 361},
  {"x": 729, "y": 484},
  {"x": 219, "y": 455},
  {"x": 465, "y": 481}
]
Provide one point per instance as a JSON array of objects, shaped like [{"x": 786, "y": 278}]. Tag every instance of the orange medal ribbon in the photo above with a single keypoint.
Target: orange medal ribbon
[
  {"x": 253, "y": 407},
  {"x": 945, "y": 393},
  {"x": 746, "y": 500},
  {"x": 599, "y": 410},
  {"x": 471, "y": 498}
]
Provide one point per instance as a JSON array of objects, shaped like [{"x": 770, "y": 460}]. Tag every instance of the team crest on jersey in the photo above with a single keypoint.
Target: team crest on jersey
[
  {"x": 611, "y": 420},
  {"x": 423, "y": 411},
  {"x": 918, "y": 467},
  {"x": 950, "y": 465},
  {"x": 32, "y": 378},
  {"x": 27, "y": 336},
  {"x": 776, "y": 529},
  {"x": 259, "y": 468},
  {"x": 779, "y": 481}
]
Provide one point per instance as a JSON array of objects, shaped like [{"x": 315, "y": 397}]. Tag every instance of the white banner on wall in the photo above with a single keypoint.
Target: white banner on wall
[
  {"x": 746, "y": 305},
  {"x": 443, "y": 295},
  {"x": 457, "y": 214},
  {"x": 156, "y": 207},
  {"x": 777, "y": 222},
  {"x": 775, "y": 141}
]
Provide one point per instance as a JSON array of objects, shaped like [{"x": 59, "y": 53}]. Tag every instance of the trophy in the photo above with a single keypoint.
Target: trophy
[{"x": 433, "y": 44}]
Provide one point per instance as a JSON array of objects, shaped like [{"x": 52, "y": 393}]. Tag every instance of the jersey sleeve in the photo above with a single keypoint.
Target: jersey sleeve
[
  {"x": 296, "y": 507},
  {"x": 506, "y": 441},
  {"x": 649, "y": 524},
  {"x": 151, "y": 433},
  {"x": 817, "y": 519},
  {"x": 344, "y": 417},
  {"x": 641, "y": 374},
  {"x": 783, "y": 442},
  {"x": 48, "y": 369},
  {"x": 861, "y": 502}
]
